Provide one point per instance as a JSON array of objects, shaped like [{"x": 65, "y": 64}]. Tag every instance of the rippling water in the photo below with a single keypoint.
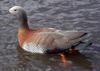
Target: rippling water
[{"x": 80, "y": 15}]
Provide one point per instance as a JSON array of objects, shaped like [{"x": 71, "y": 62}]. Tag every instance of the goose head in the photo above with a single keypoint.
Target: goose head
[
  {"x": 21, "y": 15},
  {"x": 16, "y": 10}
]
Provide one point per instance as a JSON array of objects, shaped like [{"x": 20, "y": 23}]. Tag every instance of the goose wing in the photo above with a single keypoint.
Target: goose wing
[{"x": 42, "y": 41}]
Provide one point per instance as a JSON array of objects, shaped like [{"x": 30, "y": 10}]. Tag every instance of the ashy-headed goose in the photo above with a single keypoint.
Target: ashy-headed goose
[{"x": 43, "y": 40}]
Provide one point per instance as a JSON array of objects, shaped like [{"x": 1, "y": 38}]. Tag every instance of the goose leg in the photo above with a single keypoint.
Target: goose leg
[
  {"x": 73, "y": 50},
  {"x": 63, "y": 58}
]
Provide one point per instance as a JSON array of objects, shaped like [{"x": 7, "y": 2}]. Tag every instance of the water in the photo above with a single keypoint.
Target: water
[{"x": 80, "y": 15}]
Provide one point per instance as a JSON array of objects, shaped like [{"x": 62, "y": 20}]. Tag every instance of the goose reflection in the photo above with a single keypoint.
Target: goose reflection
[{"x": 78, "y": 60}]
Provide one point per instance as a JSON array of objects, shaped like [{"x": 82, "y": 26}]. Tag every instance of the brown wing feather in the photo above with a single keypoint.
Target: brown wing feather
[
  {"x": 33, "y": 35},
  {"x": 51, "y": 38}
]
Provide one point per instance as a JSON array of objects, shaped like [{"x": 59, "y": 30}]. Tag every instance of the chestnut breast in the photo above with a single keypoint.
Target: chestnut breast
[{"x": 25, "y": 35}]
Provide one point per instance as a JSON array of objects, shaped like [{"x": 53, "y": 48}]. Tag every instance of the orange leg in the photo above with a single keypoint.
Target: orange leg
[
  {"x": 63, "y": 58},
  {"x": 72, "y": 50}
]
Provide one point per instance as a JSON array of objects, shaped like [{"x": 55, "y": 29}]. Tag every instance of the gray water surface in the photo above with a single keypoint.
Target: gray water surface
[{"x": 82, "y": 15}]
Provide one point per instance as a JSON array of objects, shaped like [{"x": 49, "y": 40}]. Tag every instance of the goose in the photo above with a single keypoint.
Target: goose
[{"x": 43, "y": 40}]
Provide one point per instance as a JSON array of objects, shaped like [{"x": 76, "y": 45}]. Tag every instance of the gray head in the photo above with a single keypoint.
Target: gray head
[
  {"x": 20, "y": 13},
  {"x": 16, "y": 10}
]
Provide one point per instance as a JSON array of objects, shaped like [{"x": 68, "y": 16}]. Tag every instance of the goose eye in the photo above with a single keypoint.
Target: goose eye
[{"x": 15, "y": 10}]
